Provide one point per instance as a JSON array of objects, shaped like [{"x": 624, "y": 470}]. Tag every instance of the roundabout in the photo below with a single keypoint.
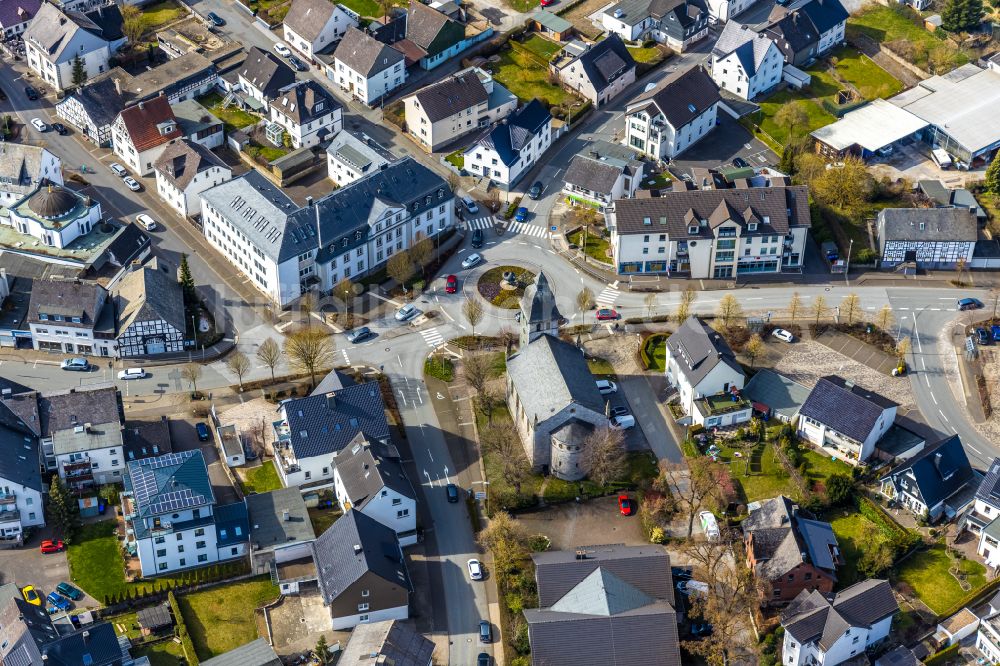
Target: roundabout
[{"x": 503, "y": 286}]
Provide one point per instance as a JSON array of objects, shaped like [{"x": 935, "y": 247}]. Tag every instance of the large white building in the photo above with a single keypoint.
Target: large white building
[
  {"x": 353, "y": 155},
  {"x": 676, "y": 23},
  {"x": 55, "y": 39},
  {"x": 746, "y": 63},
  {"x": 22, "y": 169},
  {"x": 366, "y": 68},
  {"x": 53, "y": 214},
  {"x": 183, "y": 171},
  {"x": 173, "y": 518},
  {"x": 308, "y": 113},
  {"x": 141, "y": 133},
  {"x": 312, "y": 26},
  {"x": 21, "y": 504},
  {"x": 676, "y": 114},
  {"x": 286, "y": 250},
  {"x": 71, "y": 317},
  {"x": 511, "y": 147},
  {"x": 86, "y": 438}
]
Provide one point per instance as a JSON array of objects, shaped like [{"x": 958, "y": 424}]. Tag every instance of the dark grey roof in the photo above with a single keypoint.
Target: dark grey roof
[
  {"x": 845, "y": 407},
  {"x": 308, "y": 18},
  {"x": 825, "y": 15},
  {"x": 387, "y": 642},
  {"x": 182, "y": 160},
  {"x": 698, "y": 349},
  {"x": 935, "y": 474},
  {"x": 646, "y": 568},
  {"x": 148, "y": 294},
  {"x": 549, "y": 374},
  {"x": 69, "y": 298},
  {"x": 19, "y": 455},
  {"x": 511, "y": 134},
  {"x": 901, "y": 656},
  {"x": 431, "y": 30},
  {"x": 127, "y": 245},
  {"x": 155, "y": 617},
  {"x": 321, "y": 425},
  {"x": 681, "y": 97},
  {"x": 254, "y": 653},
  {"x": 14, "y": 12},
  {"x": 53, "y": 30},
  {"x": 146, "y": 439},
  {"x": 989, "y": 487},
  {"x": 452, "y": 95},
  {"x": 927, "y": 224},
  {"x": 538, "y": 302},
  {"x": 304, "y": 101},
  {"x": 606, "y": 62},
  {"x": 782, "y": 538},
  {"x": 815, "y": 617},
  {"x": 792, "y": 32},
  {"x": 21, "y": 166},
  {"x": 266, "y": 72},
  {"x": 749, "y": 46},
  {"x": 364, "y": 54},
  {"x": 777, "y": 392},
  {"x": 353, "y": 546},
  {"x": 232, "y": 524},
  {"x": 278, "y": 518},
  {"x": 66, "y": 409},
  {"x": 99, "y": 648},
  {"x": 599, "y": 168},
  {"x": 365, "y": 469}
]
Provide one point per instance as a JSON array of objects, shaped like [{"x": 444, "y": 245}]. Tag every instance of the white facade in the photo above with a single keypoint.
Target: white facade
[
  {"x": 367, "y": 89},
  {"x": 344, "y": 168},
  {"x": 105, "y": 465},
  {"x": 138, "y": 161},
  {"x": 20, "y": 507},
  {"x": 334, "y": 27},
  {"x": 57, "y": 70},
  {"x": 174, "y": 550},
  {"x": 625, "y": 187},
  {"x": 49, "y": 167},
  {"x": 483, "y": 159},
  {"x": 653, "y": 135},
  {"x": 728, "y": 72},
  {"x": 724, "y": 10},
  {"x": 187, "y": 202},
  {"x": 847, "y": 448},
  {"x": 854, "y": 641},
  {"x": 343, "y": 623},
  {"x": 831, "y": 37},
  {"x": 988, "y": 638},
  {"x": 392, "y": 509},
  {"x": 308, "y": 134},
  {"x": 720, "y": 379},
  {"x": 48, "y": 233}
]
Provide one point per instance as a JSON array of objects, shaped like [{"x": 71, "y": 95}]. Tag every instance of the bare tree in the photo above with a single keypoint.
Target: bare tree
[
  {"x": 604, "y": 455},
  {"x": 476, "y": 369},
  {"x": 400, "y": 268},
  {"x": 850, "y": 308},
  {"x": 884, "y": 319},
  {"x": 818, "y": 308},
  {"x": 132, "y": 24},
  {"x": 453, "y": 181},
  {"x": 902, "y": 348},
  {"x": 508, "y": 336},
  {"x": 192, "y": 371},
  {"x": 422, "y": 251},
  {"x": 307, "y": 305},
  {"x": 502, "y": 439},
  {"x": 309, "y": 350},
  {"x": 683, "y": 310},
  {"x": 255, "y": 436},
  {"x": 473, "y": 311},
  {"x": 269, "y": 353},
  {"x": 690, "y": 486},
  {"x": 650, "y": 301},
  {"x": 754, "y": 348},
  {"x": 794, "y": 306},
  {"x": 507, "y": 539},
  {"x": 728, "y": 309},
  {"x": 585, "y": 301},
  {"x": 960, "y": 268},
  {"x": 239, "y": 364}
]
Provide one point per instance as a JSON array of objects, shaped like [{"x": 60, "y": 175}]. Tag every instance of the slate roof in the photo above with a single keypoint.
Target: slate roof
[
  {"x": 387, "y": 642},
  {"x": 304, "y": 101},
  {"x": 782, "y": 539},
  {"x": 749, "y": 46},
  {"x": 510, "y": 135},
  {"x": 14, "y": 12},
  {"x": 678, "y": 212},
  {"x": 101, "y": 100},
  {"x": 777, "y": 392},
  {"x": 70, "y": 298},
  {"x": 606, "y": 61},
  {"x": 159, "y": 484},
  {"x": 322, "y": 425},
  {"x": 149, "y": 294},
  {"x": 825, "y": 15},
  {"x": 845, "y": 407},
  {"x": 939, "y": 224},
  {"x": 146, "y": 439},
  {"x": 598, "y": 169},
  {"x": 452, "y": 95},
  {"x": 365, "y": 469},
  {"x": 792, "y": 33},
  {"x": 364, "y": 54},
  {"x": 266, "y": 72},
  {"x": 142, "y": 119},
  {"x": 938, "y": 472},
  {"x": 20, "y": 166},
  {"x": 307, "y": 18},
  {"x": 269, "y": 528},
  {"x": 646, "y": 568},
  {"x": 359, "y": 151},
  {"x": 66, "y": 409},
  {"x": 232, "y": 525},
  {"x": 698, "y": 349},
  {"x": 254, "y": 653},
  {"x": 989, "y": 487},
  {"x": 99, "y": 648},
  {"x": 109, "y": 21},
  {"x": 431, "y": 30},
  {"x": 680, "y": 97},
  {"x": 549, "y": 374},
  {"x": 52, "y": 30},
  {"x": 538, "y": 302},
  {"x": 684, "y": 13},
  {"x": 182, "y": 160},
  {"x": 18, "y": 453},
  {"x": 339, "y": 563},
  {"x": 901, "y": 656},
  {"x": 813, "y": 617}
]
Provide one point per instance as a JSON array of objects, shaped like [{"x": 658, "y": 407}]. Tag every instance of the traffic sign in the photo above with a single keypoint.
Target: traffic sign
[
  {"x": 480, "y": 495},
  {"x": 553, "y": 228}
]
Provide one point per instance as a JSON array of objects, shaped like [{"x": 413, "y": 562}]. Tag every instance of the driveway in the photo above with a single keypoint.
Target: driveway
[
  {"x": 27, "y": 565},
  {"x": 587, "y": 524},
  {"x": 184, "y": 438},
  {"x": 722, "y": 145}
]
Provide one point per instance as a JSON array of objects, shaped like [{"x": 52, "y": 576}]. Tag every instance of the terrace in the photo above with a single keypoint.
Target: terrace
[
  {"x": 722, "y": 403},
  {"x": 283, "y": 446}
]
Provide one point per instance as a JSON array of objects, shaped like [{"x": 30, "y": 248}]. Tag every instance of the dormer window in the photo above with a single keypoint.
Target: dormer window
[
  {"x": 693, "y": 229},
  {"x": 647, "y": 220},
  {"x": 752, "y": 226}
]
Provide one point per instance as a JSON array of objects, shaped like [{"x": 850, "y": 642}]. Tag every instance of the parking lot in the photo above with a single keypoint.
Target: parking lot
[
  {"x": 28, "y": 566},
  {"x": 590, "y": 523},
  {"x": 722, "y": 145}
]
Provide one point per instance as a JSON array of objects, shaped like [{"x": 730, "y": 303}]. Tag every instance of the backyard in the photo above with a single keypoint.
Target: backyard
[
  {"x": 768, "y": 478},
  {"x": 654, "y": 351},
  {"x": 900, "y": 29},
  {"x": 160, "y": 14},
  {"x": 260, "y": 479},
  {"x": 927, "y": 572},
  {"x": 370, "y": 8},
  {"x": 222, "y": 618},
  {"x": 597, "y": 247},
  {"x": 527, "y": 79},
  {"x": 542, "y": 47},
  {"x": 852, "y": 530},
  {"x": 232, "y": 117}
]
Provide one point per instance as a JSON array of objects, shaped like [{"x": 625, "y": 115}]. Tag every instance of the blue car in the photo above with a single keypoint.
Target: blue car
[
  {"x": 522, "y": 214},
  {"x": 203, "y": 432},
  {"x": 58, "y": 602},
  {"x": 995, "y": 330}
]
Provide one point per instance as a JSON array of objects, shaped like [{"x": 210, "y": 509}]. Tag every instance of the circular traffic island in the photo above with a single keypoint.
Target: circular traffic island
[{"x": 504, "y": 286}]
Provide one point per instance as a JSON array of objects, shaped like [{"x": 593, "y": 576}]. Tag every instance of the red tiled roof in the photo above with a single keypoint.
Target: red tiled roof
[{"x": 141, "y": 121}]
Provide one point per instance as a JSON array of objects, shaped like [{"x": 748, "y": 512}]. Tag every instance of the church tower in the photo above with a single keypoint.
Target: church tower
[{"x": 539, "y": 314}]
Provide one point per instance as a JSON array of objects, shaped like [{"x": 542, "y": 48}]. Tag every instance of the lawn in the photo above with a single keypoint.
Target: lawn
[
  {"x": 885, "y": 25},
  {"x": 851, "y": 530},
  {"x": 222, "y": 618},
  {"x": 162, "y": 13},
  {"x": 768, "y": 478},
  {"x": 364, "y": 7},
  {"x": 456, "y": 159},
  {"x": 927, "y": 573},
  {"x": 817, "y": 115},
  {"x": 164, "y": 653},
  {"x": 656, "y": 182},
  {"x": 522, "y": 5},
  {"x": 232, "y": 117},
  {"x": 270, "y": 153},
  {"x": 543, "y": 48},
  {"x": 601, "y": 368},
  {"x": 861, "y": 72},
  {"x": 597, "y": 247},
  {"x": 527, "y": 79},
  {"x": 656, "y": 352},
  {"x": 321, "y": 519},
  {"x": 261, "y": 479},
  {"x": 652, "y": 55}
]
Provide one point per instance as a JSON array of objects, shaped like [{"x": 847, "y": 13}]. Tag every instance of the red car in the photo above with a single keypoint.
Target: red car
[
  {"x": 547, "y": 3},
  {"x": 451, "y": 284},
  {"x": 50, "y": 546},
  {"x": 607, "y": 314},
  {"x": 625, "y": 505}
]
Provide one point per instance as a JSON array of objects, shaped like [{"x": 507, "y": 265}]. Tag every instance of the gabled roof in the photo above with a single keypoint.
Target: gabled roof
[
  {"x": 777, "y": 392},
  {"x": 232, "y": 525},
  {"x": 66, "y": 409},
  {"x": 792, "y": 33},
  {"x": 749, "y": 46},
  {"x": 307, "y": 18},
  {"x": 698, "y": 349},
  {"x": 53, "y": 30},
  {"x": 927, "y": 225},
  {"x": 365, "y": 469},
  {"x": 431, "y": 30},
  {"x": 511, "y": 134},
  {"x": 142, "y": 122},
  {"x": 266, "y": 72},
  {"x": 13, "y": 12},
  {"x": 938, "y": 472},
  {"x": 254, "y": 653},
  {"x": 101, "y": 100},
  {"x": 99, "y": 647},
  {"x": 321, "y": 425},
  {"x": 305, "y": 101},
  {"x": 549, "y": 374},
  {"x": 845, "y": 407},
  {"x": 989, "y": 487},
  {"x": 18, "y": 453},
  {"x": 353, "y": 546},
  {"x": 149, "y": 294},
  {"x": 646, "y": 568},
  {"x": 69, "y": 298},
  {"x": 182, "y": 160},
  {"x": 815, "y": 617},
  {"x": 146, "y": 439},
  {"x": 358, "y": 150},
  {"x": 782, "y": 539},
  {"x": 825, "y": 15},
  {"x": 387, "y": 642},
  {"x": 168, "y": 483},
  {"x": 606, "y": 61},
  {"x": 364, "y": 54},
  {"x": 277, "y": 518},
  {"x": 681, "y": 97},
  {"x": 21, "y": 166},
  {"x": 461, "y": 91}
]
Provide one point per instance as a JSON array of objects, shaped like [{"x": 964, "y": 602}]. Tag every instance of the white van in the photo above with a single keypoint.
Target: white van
[
  {"x": 709, "y": 525},
  {"x": 941, "y": 158}
]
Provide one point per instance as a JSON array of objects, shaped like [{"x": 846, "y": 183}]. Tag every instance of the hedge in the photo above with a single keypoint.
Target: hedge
[
  {"x": 943, "y": 656},
  {"x": 902, "y": 539},
  {"x": 970, "y": 598},
  {"x": 182, "y": 632}
]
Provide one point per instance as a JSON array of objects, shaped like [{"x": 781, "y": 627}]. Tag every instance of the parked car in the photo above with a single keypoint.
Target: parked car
[
  {"x": 60, "y": 129},
  {"x": 473, "y": 259},
  {"x": 68, "y": 590},
  {"x": 625, "y": 505},
  {"x": 451, "y": 284},
  {"x": 701, "y": 629},
  {"x": 133, "y": 184},
  {"x": 608, "y": 314},
  {"x": 30, "y": 595},
  {"x": 546, "y": 3},
  {"x": 282, "y": 50},
  {"x": 203, "y": 434},
  {"x": 521, "y": 215},
  {"x": 477, "y": 238},
  {"x": 618, "y": 411},
  {"x": 536, "y": 189},
  {"x": 147, "y": 223},
  {"x": 485, "y": 632},
  {"x": 132, "y": 373},
  {"x": 297, "y": 64},
  {"x": 359, "y": 335},
  {"x": 740, "y": 163},
  {"x": 969, "y": 304},
  {"x": 623, "y": 422},
  {"x": 995, "y": 331},
  {"x": 118, "y": 169},
  {"x": 76, "y": 364},
  {"x": 451, "y": 490},
  {"x": 470, "y": 205},
  {"x": 39, "y": 125},
  {"x": 216, "y": 20},
  {"x": 483, "y": 659},
  {"x": 783, "y": 335},
  {"x": 475, "y": 569},
  {"x": 688, "y": 587},
  {"x": 407, "y": 312},
  {"x": 249, "y": 453},
  {"x": 58, "y": 602},
  {"x": 606, "y": 386},
  {"x": 982, "y": 337},
  {"x": 50, "y": 546},
  {"x": 31, "y": 93}
]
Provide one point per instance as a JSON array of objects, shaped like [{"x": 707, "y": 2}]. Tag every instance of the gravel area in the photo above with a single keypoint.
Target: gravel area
[
  {"x": 807, "y": 361},
  {"x": 250, "y": 414}
]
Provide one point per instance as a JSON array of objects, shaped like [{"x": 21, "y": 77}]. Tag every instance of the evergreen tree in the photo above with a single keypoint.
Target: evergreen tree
[
  {"x": 992, "y": 181},
  {"x": 79, "y": 72},
  {"x": 187, "y": 282},
  {"x": 959, "y": 15},
  {"x": 787, "y": 164},
  {"x": 64, "y": 510},
  {"x": 322, "y": 650}
]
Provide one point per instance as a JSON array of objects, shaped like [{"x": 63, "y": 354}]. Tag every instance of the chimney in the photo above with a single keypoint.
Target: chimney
[
  {"x": 142, "y": 106},
  {"x": 357, "y": 549},
  {"x": 286, "y": 516},
  {"x": 309, "y": 201},
  {"x": 331, "y": 400},
  {"x": 581, "y": 554}
]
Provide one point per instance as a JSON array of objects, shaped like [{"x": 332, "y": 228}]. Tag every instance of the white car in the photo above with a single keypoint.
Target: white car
[
  {"x": 623, "y": 422},
  {"x": 147, "y": 223},
  {"x": 118, "y": 170},
  {"x": 470, "y": 205},
  {"x": 783, "y": 335},
  {"x": 473, "y": 259},
  {"x": 407, "y": 312},
  {"x": 475, "y": 570},
  {"x": 39, "y": 125},
  {"x": 282, "y": 50},
  {"x": 606, "y": 387},
  {"x": 132, "y": 183},
  {"x": 132, "y": 373}
]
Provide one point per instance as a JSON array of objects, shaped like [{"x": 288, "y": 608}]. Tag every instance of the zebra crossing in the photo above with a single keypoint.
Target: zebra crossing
[
  {"x": 481, "y": 223},
  {"x": 432, "y": 337},
  {"x": 522, "y": 228},
  {"x": 608, "y": 296}
]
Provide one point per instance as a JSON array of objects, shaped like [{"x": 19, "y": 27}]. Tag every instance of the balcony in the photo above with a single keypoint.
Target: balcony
[
  {"x": 7, "y": 498},
  {"x": 281, "y": 431},
  {"x": 722, "y": 403},
  {"x": 10, "y": 516}
]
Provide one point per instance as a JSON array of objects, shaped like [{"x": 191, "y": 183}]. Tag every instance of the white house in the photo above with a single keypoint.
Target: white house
[
  {"x": 309, "y": 114},
  {"x": 71, "y": 317},
  {"x": 745, "y": 62},
  {"x": 173, "y": 518},
  {"x": 366, "y": 68},
  {"x": 141, "y": 133},
  {"x": 353, "y": 155},
  {"x": 87, "y": 440},
  {"x": 845, "y": 419},
  {"x": 603, "y": 173},
  {"x": 509, "y": 149},
  {"x": 20, "y": 481},
  {"x": 53, "y": 214},
  {"x": 982, "y": 519},
  {"x": 55, "y": 40},
  {"x": 370, "y": 478},
  {"x": 23, "y": 168},
  {"x": 93, "y": 108},
  {"x": 726, "y": 10},
  {"x": 280, "y": 532},
  {"x": 933, "y": 484},
  {"x": 149, "y": 307},
  {"x": 598, "y": 72},
  {"x": 262, "y": 75},
  {"x": 936, "y": 238},
  {"x": 183, "y": 171},
  {"x": 805, "y": 32},
  {"x": 672, "y": 117},
  {"x": 312, "y": 26},
  {"x": 676, "y": 23},
  {"x": 988, "y": 638},
  {"x": 832, "y": 629},
  {"x": 704, "y": 370}
]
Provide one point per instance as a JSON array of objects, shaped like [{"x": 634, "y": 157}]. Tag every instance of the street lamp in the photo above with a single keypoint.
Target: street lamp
[
  {"x": 847, "y": 268},
  {"x": 569, "y": 121}
]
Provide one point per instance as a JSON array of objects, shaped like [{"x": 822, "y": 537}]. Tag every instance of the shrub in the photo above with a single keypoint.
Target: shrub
[
  {"x": 657, "y": 535},
  {"x": 538, "y": 543},
  {"x": 440, "y": 367},
  {"x": 520, "y": 641}
]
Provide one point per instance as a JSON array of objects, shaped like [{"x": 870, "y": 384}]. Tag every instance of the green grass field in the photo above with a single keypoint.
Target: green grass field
[
  {"x": 262, "y": 479},
  {"x": 232, "y": 117},
  {"x": 159, "y": 14},
  {"x": 851, "y": 530},
  {"x": 597, "y": 247},
  {"x": 927, "y": 573},
  {"x": 768, "y": 478},
  {"x": 656, "y": 352},
  {"x": 164, "y": 653},
  {"x": 542, "y": 47},
  {"x": 653, "y": 55},
  {"x": 527, "y": 79},
  {"x": 885, "y": 24},
  {"x": 222, "y": 618}
]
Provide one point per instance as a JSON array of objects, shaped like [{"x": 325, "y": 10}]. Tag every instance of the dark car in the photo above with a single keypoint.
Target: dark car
[
  {"x": 618, "y": 411},
  {"x": 982, "y": 336},
  {"x": 68, "y": 590},
  {"x": 249, "y": 453},
  {"x": 3, "y": 96},
  {"x": 477, "y": 238},
  {"x": 740, "y": 163},
  {"x": 216, "y": 20},
  {"x": 536, "y": 190},
  {"x": 60, "y": 129},
  {"x": 360, "y": 335},
  {"x": 202, "y": 431},
  {"x": 485, "y": 632},
  {"x": 969, "y": 304},
  {"x": 483, "y": 659},
  {"x": 31, "y": 93},
  {"x": 452, "y": 491},
  {"x": 701, "y": 629},
  {"x": 297, "y": 64},
  {"x": 995, "y": 330}
]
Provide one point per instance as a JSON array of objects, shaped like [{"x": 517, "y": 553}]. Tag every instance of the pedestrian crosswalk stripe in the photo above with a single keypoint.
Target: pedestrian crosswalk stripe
[
  {"x": 347, "y": 359},
  {"x": 607, "y": 297},
  {"x": 535, "y": 230},
  {"x": 481, "y": 223},
  {"x": 432, "y": 337}
]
